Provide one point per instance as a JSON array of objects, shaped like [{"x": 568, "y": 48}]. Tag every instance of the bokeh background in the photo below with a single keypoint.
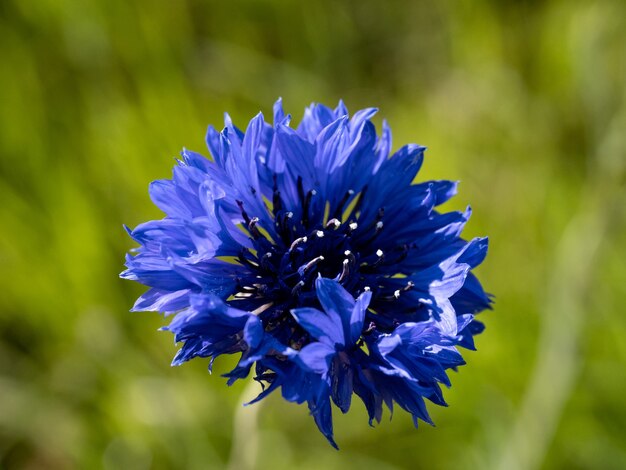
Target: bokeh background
[{"x": 524, "y": 102}]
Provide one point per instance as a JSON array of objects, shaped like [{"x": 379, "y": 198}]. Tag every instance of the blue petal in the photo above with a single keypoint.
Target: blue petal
[
  {"x": 196, "y": 160},
  {"x": 357, "y": 165},
  {"x": 330, "y": 145},
  {"x": 358, "y": 316},
  {"x": 213, "y": 275},
  {"x": 401, "y": 168},
  {"x": 443, "y": 189},
  {"x": 341, "y": 377},
  {"x": 297, "y": 152},
  {"x": 366, "y": 391},
  {"x": 451, "y": 281},
  {"x": 322, "y": 414},
  {"x": 214, "y": 145},
  {"x": 335, "y": 299},
  {"x": 475, "y": 252},
  {"x": 253, "y": 332},
  {"x": 172, "y": 232},
  {"x": 158, "y": 300},
  {"x": 211, "y": 328},
  {"x": 340, "y": 110},
  {"x": 279, "y": 114},
  {"x": 154, "y": 271},
  {"x": 251, "y": 146},
  {"x": 324, "y": 327},
  {"x": 164, "y": 195},
  {"x": 471, "y": 298},
  {"x": 360, "y": 118},
  {"x": 383, "y": 147},
  {"x": 316, "y": 117},
  {"x": 316, "y": 357}
]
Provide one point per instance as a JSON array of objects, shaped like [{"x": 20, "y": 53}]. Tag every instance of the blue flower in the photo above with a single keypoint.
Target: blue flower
[{"x": 312, "y": 253}]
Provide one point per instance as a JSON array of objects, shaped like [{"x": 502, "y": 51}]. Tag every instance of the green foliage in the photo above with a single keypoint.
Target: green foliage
[{"x": 524, "y": 102}]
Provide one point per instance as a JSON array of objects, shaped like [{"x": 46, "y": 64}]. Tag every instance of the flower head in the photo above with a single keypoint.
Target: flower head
[{"x": 311, "y": 252}]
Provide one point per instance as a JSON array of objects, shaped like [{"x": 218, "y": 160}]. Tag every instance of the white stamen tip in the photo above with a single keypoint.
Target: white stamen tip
[
  {"x": 353, "y": 226},
  {"x": 347, "y": 253},
  {"x": 319, "y": 234},
  {"x": 396, "y": 294},
  {"x": 333, "y": 223},
  {"x": 379, "y": 253},
  {"x": 366, "y": 289}
]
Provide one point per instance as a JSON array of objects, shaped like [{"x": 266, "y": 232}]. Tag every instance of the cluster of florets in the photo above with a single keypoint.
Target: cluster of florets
[{"x": 311, "y": 252}]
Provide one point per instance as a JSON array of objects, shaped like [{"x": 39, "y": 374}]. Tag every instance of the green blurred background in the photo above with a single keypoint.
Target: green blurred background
[{"x": 524, "y": 102}]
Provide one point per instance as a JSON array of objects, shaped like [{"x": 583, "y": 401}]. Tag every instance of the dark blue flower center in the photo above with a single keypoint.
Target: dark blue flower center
[{"x": 283, "y": 271}]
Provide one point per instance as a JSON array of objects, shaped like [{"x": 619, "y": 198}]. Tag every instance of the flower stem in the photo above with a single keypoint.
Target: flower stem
[{"x": 245, "y": 444}]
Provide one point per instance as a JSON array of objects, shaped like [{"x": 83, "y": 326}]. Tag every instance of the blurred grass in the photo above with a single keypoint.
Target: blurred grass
[{"x": 523, "y": 102}]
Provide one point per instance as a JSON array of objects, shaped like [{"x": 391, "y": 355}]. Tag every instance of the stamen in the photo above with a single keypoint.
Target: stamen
[
  {"x": 333, "y": 223},
  {"x": 265, "y": 261},
  {"x": 277, "y": 202},
  {"x": 245, "y": 261},
  {"x": 391, "y": 298},
  {"x": 378, "y": 226},
  {"x": 359, "y": 202},
  {"x": 305, "y": 208},
  {"x": 243, "y": 295},
  {"x": 252, "y": 228},
  {"x": 345, "y": 270},
  {"x": 350, "y": 256},
  {"x": 284, "y": 227},
  {"x": 371, "y": 327},
  {"x": 297, "y": 288},
  {"x": 349, "y": 193},
  {"x": 381, "y": 258},
  {"x": 262, "y": 308},
  {"x": 352, "y": 226},
  {"x": 404, "y": 253},
  {"x": 300, "y": 190},
  {"x": 311, "y": 264},
  {"x": 296, "y": 242},
  {"x": 244, "y": 214}
]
